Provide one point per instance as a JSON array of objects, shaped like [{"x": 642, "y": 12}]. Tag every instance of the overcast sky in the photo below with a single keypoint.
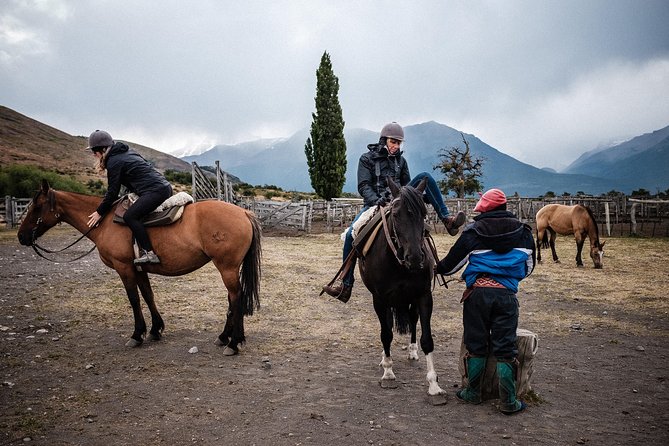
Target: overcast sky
[{"x": 542, "y": 81}]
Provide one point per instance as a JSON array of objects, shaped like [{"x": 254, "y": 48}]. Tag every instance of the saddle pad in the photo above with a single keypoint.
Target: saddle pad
[
  {"x": 365, "y": 231},
  {"x": 165, "y": 217}
]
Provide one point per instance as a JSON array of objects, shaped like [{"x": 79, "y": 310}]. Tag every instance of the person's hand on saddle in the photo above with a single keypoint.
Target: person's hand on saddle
[
  {"x": 93, "y": 219},
  {"x": 383, "y": 200}
]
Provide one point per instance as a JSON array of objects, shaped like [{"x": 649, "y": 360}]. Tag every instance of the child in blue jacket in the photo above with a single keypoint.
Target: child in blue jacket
[{"x": 500, "y": 252}]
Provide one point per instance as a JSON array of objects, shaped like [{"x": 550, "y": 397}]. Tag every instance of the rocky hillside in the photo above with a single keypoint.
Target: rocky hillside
[{"x": 29, "y": 142}]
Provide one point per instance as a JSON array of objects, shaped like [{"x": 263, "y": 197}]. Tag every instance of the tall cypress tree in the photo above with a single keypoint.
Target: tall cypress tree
[{"x": 326, "y": 147}]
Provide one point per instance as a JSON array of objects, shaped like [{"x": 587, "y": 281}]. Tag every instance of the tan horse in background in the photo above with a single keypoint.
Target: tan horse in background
[
  {"x": 564, "y": 220},
  {"x": 216, "y": 231}
]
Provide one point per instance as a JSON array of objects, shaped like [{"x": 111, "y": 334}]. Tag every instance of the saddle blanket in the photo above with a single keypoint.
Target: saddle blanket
[
  {"x": 178, "y": 199},
  {"x": 359, "y": 223}
]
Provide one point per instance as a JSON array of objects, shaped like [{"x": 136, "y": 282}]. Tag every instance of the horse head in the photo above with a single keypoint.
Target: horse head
[
  {"x": 597, "y": 253},
  {"x": 40, "y": 217},
  {"x": 408, "y": 211}
]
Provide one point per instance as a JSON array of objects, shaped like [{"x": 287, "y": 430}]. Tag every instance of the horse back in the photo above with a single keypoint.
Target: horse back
[{"x": 558, "y": 217}]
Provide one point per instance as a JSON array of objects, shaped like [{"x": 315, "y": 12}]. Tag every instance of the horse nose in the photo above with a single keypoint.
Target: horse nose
[
  {"x": 22, "y": 239},
  {"x": 415, "y": 262}
]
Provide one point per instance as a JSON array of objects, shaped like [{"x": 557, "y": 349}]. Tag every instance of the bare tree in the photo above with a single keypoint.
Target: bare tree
[{"x": 462, "y": 171}]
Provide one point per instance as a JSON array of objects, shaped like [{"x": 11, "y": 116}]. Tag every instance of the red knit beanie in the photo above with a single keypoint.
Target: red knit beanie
[{"x": 490, "y": 200}]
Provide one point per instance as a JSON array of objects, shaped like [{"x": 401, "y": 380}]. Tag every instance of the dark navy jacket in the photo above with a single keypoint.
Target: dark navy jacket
[
  {"x": 373, "y": 168},
  {"x": 125, "y": 167},
  {"x": 497, "y": 245}
]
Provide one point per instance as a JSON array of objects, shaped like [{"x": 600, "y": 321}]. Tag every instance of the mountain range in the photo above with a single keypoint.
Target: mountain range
[{"x": 638, "y": 163}]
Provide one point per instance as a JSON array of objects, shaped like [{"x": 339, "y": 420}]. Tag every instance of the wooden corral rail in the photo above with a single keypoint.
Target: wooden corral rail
[
  {"x": 285, "y": 214},
  {"x": 204, "y": 189},
  {"x": 12, "y": 210}
]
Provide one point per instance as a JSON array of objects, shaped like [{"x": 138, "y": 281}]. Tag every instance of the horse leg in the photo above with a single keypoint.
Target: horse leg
[
  {"x": 233, "y": 331},
  {"x": 157, "y": 324},
  {"x": 540, "y": 235},
  {"x": 580, "y": 240},
  {"x": 386, "y": 320},
  {"x": 130, "y": 284},
  {"x": 413, "y": 347},
  {"x": 552, "y": 245},
  {"x": 427, "y": 345}
]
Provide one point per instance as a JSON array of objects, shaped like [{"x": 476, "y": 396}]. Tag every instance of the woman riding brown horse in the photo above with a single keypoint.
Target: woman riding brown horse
[{"x": 207, "y": 231}]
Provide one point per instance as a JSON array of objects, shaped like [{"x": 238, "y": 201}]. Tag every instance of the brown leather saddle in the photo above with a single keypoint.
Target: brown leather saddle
[{"x": 160, "y": 218}]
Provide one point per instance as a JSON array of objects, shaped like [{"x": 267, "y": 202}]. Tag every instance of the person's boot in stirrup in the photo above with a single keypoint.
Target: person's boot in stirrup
[
  {"x": 453, "y": 223},
  {"x": 145, "y": 257},
  {"x": 341, "y": 291}
]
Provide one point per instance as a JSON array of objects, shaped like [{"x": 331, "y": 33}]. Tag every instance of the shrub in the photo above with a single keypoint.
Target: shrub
[{"x": 23, "y": 181}]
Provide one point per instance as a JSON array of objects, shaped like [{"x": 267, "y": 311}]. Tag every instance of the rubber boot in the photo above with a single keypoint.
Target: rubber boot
[
  {"x": 509, "y": 404},
  {"x": 475, "y": 366}
]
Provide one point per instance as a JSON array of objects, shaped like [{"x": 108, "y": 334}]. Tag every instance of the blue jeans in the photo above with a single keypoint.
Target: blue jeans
[
  {"x": 432, "y": 193},
  {"x": 348, "y": 247}
]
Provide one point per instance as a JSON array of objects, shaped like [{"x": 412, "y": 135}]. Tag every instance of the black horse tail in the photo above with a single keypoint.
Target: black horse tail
[
  {"x": 401, "y": 320},
  {"x": 544, "y": 240},
  {"x": 250, "y": 271}
]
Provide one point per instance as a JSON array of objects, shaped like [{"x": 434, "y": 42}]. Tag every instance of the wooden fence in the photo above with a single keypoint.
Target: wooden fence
[
  {"x": 617, "y": 216},
  {"x": 277, "y": 214},
  {"x": 204, "y": 189},
  {"x": 12, "y": 210}
]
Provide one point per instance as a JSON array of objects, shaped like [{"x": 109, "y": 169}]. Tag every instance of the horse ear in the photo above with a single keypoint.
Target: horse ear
[
  {"x": 421, "y": 186},
  {"x": 45, "y": 186},
  {"x": 394, "y": 187},
  {"x": 601, "y": 245}
]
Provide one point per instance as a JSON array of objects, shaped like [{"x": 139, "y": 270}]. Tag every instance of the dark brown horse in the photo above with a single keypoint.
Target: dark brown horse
[
  {"x": 398, "y": 272},
  {"x": 207, "y": 231},
  {"x": 564, "y": 220}
]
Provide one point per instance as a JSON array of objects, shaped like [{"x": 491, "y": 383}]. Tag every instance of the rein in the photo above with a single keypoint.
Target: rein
[
  {"x": 37, "y": 248},
  {"x": 389, "y": 239},
  {"x": 430, "y": 245}
]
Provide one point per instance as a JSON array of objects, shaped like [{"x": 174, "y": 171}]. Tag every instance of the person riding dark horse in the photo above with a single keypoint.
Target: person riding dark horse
[
  {"x": 383, "y": 160},
  {"x": 125, "y": 167}
]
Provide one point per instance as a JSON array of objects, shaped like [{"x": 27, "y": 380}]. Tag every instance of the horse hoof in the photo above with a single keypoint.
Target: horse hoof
[
  {"x": 227, "y": 351},
  {"x": 388, "y": 384},
  {"x": 153, "y": 337},
  {"x": 133, "y": 343},
  {"x": 438, "y": 399},
  {"x": 221, "y": 343}
]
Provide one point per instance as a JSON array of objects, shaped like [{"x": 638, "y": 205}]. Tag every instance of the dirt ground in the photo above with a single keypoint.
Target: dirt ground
[{"x": 309, "y": 371}]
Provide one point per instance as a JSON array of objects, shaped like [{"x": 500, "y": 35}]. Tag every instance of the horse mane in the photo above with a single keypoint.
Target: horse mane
[
  {"x": 594, "y": 222},
  {"x": 414, "y": 200}
]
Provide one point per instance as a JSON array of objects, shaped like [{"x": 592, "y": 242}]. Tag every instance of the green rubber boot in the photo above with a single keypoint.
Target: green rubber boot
[
  {"x": 475, "y": 367},
  {"x": 509, "y": 404}
]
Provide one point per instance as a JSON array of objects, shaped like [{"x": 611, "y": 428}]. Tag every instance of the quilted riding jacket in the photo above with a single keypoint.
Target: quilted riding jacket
[
  {"x": 496, "y": 245},
  {"x": 125, "y": 167},
  {"x": 373, "y": 168}
]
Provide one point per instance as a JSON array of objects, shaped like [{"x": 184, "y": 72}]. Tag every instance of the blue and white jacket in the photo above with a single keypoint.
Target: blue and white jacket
[{"x": 496, "y": 245}]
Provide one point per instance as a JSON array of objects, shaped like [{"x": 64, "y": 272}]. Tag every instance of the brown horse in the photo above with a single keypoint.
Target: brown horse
[
  {"x": 210, "y": 230},
  {"x": 564, "y": 220},
  {"x": 398, "y": 273}
]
